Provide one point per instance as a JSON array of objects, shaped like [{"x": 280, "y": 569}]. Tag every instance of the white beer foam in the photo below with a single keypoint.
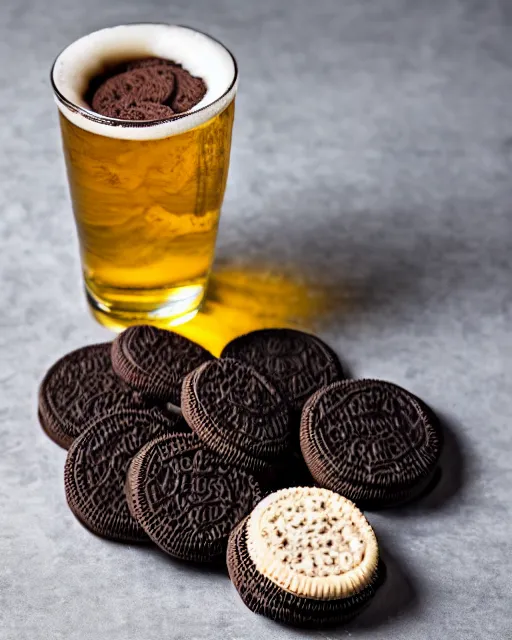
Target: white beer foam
[{"x": 198, "y": 53}]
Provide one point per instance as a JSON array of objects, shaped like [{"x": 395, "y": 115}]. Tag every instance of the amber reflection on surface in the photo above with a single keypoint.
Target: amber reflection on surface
[{"x": 242, "y": 299}]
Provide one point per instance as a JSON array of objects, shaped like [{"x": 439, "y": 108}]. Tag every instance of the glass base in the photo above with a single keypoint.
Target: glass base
[{"x": 117, "y": 309}]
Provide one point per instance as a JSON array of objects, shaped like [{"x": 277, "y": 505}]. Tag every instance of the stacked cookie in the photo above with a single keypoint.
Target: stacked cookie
[{"x": 261, "y": 452}]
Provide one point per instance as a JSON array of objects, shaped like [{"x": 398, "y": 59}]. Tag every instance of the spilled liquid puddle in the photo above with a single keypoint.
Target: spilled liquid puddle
[{"x": 242, "y": 299}]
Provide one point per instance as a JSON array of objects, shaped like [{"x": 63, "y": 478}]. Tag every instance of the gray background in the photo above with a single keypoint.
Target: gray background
[{"x": 372, "y": 154}]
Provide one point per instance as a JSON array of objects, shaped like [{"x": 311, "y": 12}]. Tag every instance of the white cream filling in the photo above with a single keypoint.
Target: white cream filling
[{"x": 312, "y": 542}]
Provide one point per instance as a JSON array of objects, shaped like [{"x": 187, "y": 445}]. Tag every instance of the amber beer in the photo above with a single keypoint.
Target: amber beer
[{"x": 146, "y": 196}]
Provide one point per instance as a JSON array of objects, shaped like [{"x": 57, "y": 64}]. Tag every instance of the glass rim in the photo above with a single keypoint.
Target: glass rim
[{"x": 129, "y": 124}]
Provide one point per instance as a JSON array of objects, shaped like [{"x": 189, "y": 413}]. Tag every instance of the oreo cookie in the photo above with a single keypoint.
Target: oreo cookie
[
  {"x": 186, "y": 499},
  {"x": 305, "y": 557},
  {"x": 297, "y": 363},
  {"x": 130, "y": 109},
  {"x": 189, "y": 90},
  {"x": 96, "y": 466},
  {"x": 237, "y": 413},
  {"x": 154, "y": 361},
  {"x": 371, "y": 441},
  {"x": 149, "y": 84},
  {"x": 78, "y": 387},
  {"x": 127, "y": 91}
]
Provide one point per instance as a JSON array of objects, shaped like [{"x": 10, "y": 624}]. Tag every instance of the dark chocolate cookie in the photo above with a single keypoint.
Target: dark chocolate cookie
[
  {"x": 186, "y": 499},
  {"x": 137, "y": 110},
  {"x": 371, "y": 441},
  {"x": 155, "y": 361},
  {"x": 78, "y": 387},
  {"x": 301, "y": 566},
  {"x": 96, "y": 467},
  {"x": 189, "y": 90},
  {"x": 237, "y": 413},
  {"x": 297, "y": 363},
  {"x": 149, "y": 84}
]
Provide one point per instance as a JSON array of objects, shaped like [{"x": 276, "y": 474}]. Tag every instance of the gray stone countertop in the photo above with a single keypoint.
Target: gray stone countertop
[{"x": 372, "y": 160}]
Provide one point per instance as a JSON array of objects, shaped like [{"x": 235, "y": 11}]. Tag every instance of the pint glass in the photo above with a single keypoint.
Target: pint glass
[{"x": 146, "y": 195}]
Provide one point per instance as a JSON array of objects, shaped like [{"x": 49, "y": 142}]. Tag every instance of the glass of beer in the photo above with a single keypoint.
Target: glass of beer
[{"x": 146, "y": 195}]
